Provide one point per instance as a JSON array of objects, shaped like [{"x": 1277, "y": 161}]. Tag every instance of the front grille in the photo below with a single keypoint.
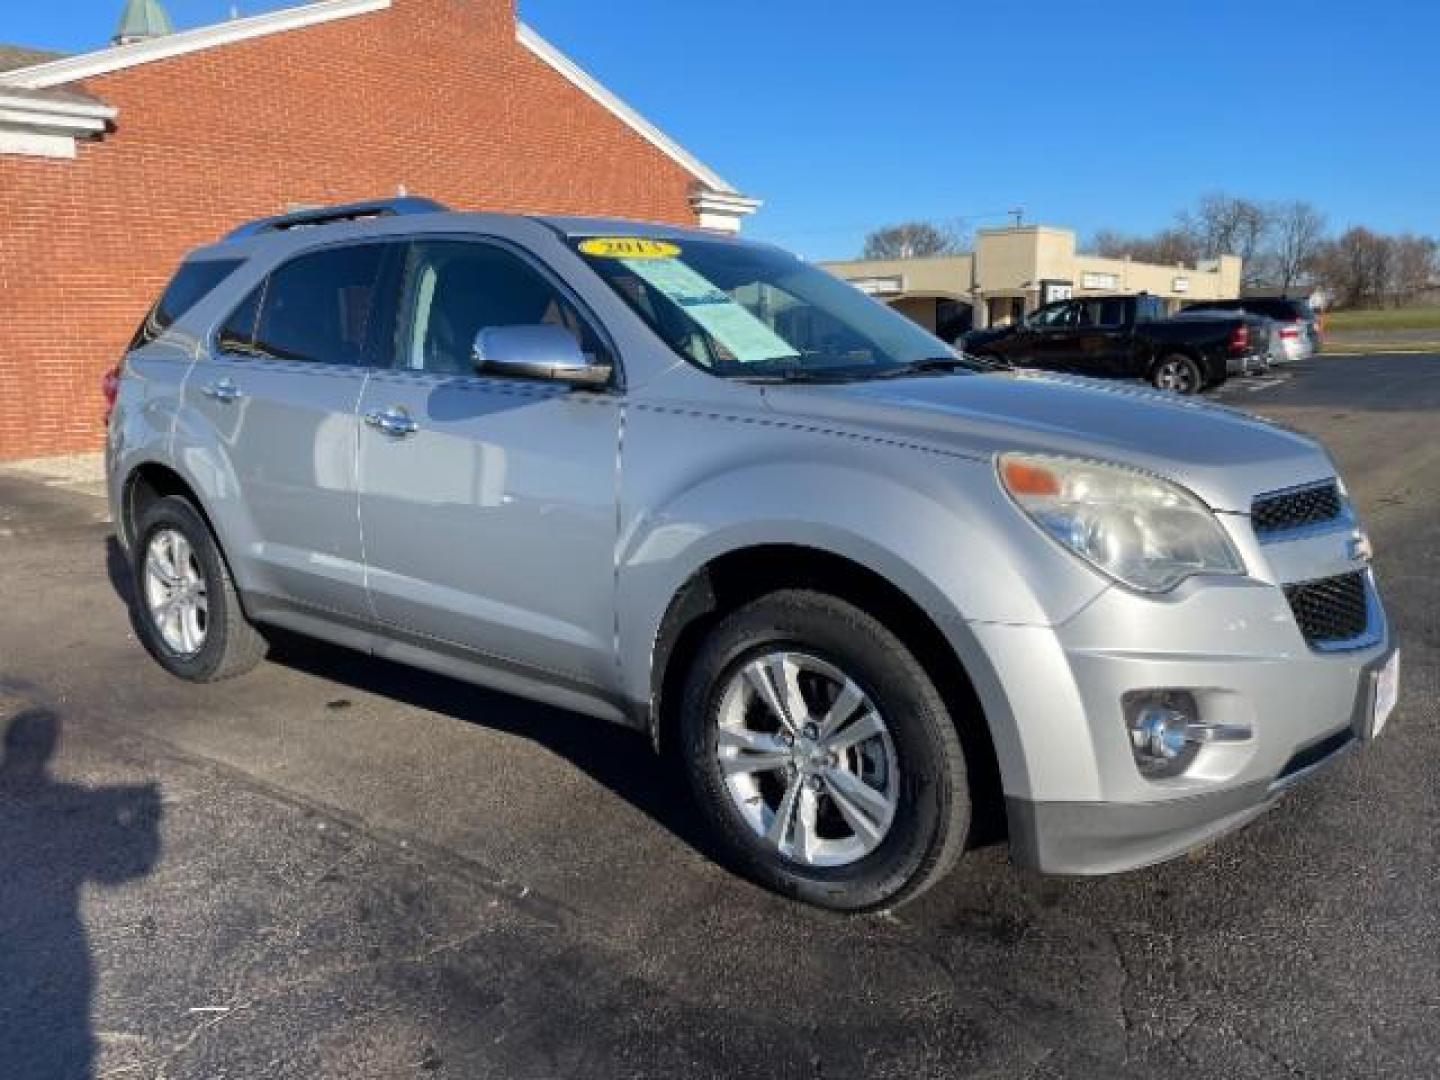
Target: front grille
[
  {"x": 1330, "y": 610},
  {"x": 1282, "y": 511}
]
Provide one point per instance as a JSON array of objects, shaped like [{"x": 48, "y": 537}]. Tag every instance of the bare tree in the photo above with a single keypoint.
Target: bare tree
[
  {"x": 1356, "y": 267},
  {"x": 912, "y": 240},
  {"x": 1223, "y": 224},
  {"x": 1169, "y": 247},
  {"x": 1111, "y": 244},
  {"x": 1298, "y": 233},
  {"x": 1414, "y": 265}
]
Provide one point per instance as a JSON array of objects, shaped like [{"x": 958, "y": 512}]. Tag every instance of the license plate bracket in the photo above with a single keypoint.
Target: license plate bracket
[{"x": 1384, "y": 694}]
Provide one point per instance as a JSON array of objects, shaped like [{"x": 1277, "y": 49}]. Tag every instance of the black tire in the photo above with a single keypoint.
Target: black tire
[
  {"x": 231, "y": 646},
  {"x": 932, "y": 815},
  {"x": 1178, "y": 373}
]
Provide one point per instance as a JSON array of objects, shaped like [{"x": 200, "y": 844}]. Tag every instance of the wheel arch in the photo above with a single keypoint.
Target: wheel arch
[
  {"x": 737, "y": 576},
  {"x": 145, "y": 484},
  {"x": 149, "y": 481},
  {"x": 1163, "y": 352}
]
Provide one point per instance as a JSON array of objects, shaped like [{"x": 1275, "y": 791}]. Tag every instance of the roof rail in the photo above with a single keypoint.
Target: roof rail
[{"x": 302, "y": 219}]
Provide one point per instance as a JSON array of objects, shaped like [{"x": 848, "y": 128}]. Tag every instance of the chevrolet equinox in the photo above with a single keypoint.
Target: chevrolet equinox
[{"x": 866, "y": 591}]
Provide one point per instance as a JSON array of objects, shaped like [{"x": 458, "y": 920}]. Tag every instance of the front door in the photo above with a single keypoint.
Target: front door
[
  {"x": 1049, "y": 336},
  {"x": 277, "y": 401},
  {"x": 488, "y": 503}
]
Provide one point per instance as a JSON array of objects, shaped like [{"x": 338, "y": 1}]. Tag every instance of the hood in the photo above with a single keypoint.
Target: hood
[
  {"x": 1224, "y": 456},
  {"x": 988, "y": 334}
]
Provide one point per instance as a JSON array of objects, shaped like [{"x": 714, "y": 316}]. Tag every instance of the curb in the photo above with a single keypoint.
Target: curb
[{"x": 1384, "y": 350}]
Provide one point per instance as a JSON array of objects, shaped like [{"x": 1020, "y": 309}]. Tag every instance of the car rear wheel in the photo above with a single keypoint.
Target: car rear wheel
[
  {"x": 1177, "y": 373},
  {"x": 822, "y": 756},
  {"x": 187, "y": 610}
]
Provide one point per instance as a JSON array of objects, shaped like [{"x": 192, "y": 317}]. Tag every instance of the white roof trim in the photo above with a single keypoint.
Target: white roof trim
[
  {"x": 41, "y": 120},
  {"x": 72, "y": 109},
  {"x": 103, "y": 61},
  {"x": 41, "y": 144},
  {"x": 582, "y": 79},
  {"x": 727, "y": 202}
]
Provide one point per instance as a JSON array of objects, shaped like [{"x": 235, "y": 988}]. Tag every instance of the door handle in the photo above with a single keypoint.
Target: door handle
[
  {"x": 392, "y": 421},
  {"x": 221, "y": 390}
]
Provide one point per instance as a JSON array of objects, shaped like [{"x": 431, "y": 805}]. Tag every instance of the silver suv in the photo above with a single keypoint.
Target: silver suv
[{"x": 865, "y": 592}]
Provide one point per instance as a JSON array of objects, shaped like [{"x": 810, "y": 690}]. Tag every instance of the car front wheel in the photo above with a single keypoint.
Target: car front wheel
[{"x": 821, "y": 754}]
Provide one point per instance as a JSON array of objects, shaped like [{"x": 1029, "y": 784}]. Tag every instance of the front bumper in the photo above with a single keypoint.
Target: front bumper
[
  {"x": 1109, "y": 837},
  {"x": 1076, "y": 800}
]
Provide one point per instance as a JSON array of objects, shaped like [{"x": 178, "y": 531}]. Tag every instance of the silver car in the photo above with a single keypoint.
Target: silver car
[
  {"x": 866, "y": 593},
  {"x": 1295, "y": 331}
]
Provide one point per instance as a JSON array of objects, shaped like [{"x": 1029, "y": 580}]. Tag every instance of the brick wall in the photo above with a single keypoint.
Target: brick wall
[{"x": 436, "y": 95}]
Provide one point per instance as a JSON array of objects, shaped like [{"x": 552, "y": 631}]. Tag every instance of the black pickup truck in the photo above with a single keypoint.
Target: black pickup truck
[{"x": 1130, "y": 337}]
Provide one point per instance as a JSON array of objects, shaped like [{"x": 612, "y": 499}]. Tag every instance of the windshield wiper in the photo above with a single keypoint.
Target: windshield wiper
[
  {"x": 934, "y": 365},
  {"x": 799, "y": 375}
]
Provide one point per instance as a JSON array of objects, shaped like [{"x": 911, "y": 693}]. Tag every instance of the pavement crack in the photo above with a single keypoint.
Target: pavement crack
[{"x": 1127, "y": 1022}]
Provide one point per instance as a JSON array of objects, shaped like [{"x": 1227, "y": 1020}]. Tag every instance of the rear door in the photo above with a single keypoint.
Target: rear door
[
  {"x": 488, "y": 502},
  {"x": 1103, "y": 338},
  {"x": 276, "y": 400}
]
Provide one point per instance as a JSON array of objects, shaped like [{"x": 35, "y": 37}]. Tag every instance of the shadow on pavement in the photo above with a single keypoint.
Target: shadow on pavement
[
  {"x": 617, "y": 757},
  {"x": 56, "y": 838}
]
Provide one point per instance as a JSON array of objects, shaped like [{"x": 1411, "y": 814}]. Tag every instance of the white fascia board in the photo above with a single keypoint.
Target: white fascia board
[
  {"x": 43, "y": 121},
  {"x": 721, "y": 210},
  {"x": 103, "y": 61},
  {"x": 593, "y": 88},
  {"x": 36, "y": 144},
  {"x": 73, "y": 109}
]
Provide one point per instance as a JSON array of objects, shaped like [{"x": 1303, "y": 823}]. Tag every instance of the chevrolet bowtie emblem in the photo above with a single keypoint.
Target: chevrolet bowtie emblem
[{"x": 1359, "y": 548}]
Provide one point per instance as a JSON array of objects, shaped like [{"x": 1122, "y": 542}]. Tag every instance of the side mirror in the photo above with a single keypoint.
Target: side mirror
[{"x": 542, "y": 351}]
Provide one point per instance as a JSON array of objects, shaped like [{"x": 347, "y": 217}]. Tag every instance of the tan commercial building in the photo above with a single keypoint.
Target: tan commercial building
[{"x": 1012, "y": 271}]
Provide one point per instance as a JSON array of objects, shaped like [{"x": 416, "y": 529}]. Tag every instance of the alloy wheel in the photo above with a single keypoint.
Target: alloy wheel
[
  {"x": 1175, "y": 375},
  {"x": 807, "y": 759},
  {"x": 175, "y": 592}
]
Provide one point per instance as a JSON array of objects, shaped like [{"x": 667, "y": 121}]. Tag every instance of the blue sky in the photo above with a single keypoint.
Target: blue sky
[{"x": 845, "y": 115}]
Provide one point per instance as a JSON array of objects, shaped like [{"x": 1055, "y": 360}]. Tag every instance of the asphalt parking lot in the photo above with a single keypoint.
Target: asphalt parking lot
[{"x": 336, "y": 867}]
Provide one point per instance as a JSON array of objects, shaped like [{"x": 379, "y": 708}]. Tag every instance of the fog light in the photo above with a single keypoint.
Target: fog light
[{"x": 1166, "y": 731}]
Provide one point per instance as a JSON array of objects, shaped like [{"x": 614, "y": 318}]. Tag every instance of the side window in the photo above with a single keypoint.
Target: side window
[
  {"x": 1111, "y": 312},
  {"x": 238, "y": 333},
  {"x": 1062, "y": 314},
  {"x": 456, "y": 288},
  {"x": 192, "y": 283},
  {"x": 318, "y": 307}
]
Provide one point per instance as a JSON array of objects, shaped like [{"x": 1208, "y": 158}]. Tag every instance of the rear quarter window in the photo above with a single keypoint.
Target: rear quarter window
[{"x": 194, "y": 281}]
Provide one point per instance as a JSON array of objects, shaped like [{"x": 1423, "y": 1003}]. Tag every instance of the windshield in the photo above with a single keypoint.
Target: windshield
[{"x": 746, "y": 311}]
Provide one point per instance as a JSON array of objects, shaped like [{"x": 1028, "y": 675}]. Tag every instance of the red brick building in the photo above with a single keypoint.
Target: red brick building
[{"x": 113, "y": 163}]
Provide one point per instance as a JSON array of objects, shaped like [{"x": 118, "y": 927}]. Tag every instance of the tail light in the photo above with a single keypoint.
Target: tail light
[
  {"x": 1240, "y": 339},
  {"x": 1289, "y": 332},
  {"x": 110, "y": 387}
]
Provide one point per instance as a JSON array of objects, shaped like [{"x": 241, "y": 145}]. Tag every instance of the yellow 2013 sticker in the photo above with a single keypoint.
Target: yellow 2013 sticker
[{"x": 628, "y": 247}]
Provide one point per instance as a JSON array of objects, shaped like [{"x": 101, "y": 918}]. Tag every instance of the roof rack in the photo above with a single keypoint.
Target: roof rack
[{"x": 328, "y": 215}]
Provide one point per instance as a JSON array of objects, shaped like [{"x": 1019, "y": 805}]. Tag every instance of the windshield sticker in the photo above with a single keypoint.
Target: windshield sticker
[
  {"x": 744, "y": 336},
  {"x": 628, "y": 247}
]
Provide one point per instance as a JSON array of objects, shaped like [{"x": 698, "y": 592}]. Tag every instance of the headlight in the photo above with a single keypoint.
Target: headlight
[{"x": 1141, "y": 530}]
